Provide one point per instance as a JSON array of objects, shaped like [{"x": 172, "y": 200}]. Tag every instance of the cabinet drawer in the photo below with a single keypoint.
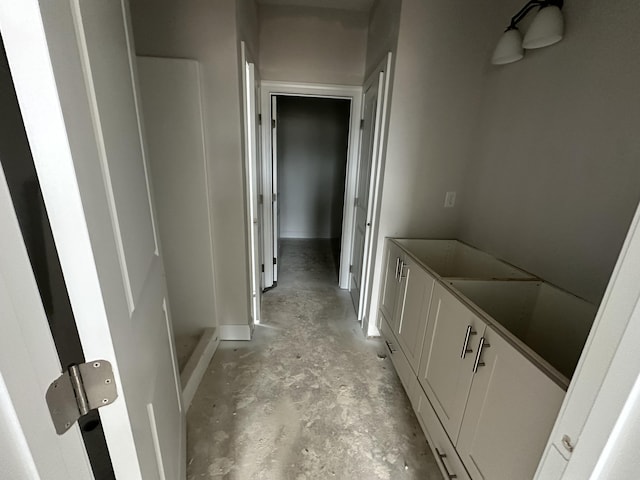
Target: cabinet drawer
[
  {"x": 400, "y": 363},
  {"x": 442, "y": 448}
]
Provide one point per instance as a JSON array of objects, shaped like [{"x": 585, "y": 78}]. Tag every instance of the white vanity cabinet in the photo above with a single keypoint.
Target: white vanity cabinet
[
  {"x": 412, "y": 307},
  {"x": 405, "y": 302},
  {"x": 393, "y": 256},
  {"x": 449, "y": 349},
  {"x": 510, "y": 412},
  {"x": 481, "y": 354}
]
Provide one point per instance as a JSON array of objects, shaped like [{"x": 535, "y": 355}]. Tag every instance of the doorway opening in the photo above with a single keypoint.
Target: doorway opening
[
  {"x": 312, "y": 137},
  {"x": 318, "y": 167}
]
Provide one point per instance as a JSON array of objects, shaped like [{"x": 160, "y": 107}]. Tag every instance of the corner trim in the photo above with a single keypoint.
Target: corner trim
[{"x": 235, "y": 332}]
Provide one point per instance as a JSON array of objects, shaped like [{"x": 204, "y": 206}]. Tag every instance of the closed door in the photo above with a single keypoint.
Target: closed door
[
  {"x": 510, "y": 413},
  {"x": 77, "y": 88},
  {"x": 412, "y": 309},
  {"x": 446, "y": 368},
  {"x": 362, "y": 222}
]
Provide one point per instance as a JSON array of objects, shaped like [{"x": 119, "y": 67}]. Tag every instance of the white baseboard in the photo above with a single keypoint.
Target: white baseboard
[
  {"x": 235, "y": 332},
  {"x": 192, "y": 373}
]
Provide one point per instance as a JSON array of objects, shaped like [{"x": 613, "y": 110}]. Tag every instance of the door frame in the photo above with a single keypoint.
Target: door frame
[{"x": 345, "y": 92}]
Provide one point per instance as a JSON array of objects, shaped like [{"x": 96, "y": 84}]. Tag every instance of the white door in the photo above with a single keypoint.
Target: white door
[
  {"x": 362, "y": 222},
  {"x": 252, "y": 166},
  {"x": 275, "y": 199},
  {"x": 73, "y": 65},
  {"x": 29, "y": 445}
]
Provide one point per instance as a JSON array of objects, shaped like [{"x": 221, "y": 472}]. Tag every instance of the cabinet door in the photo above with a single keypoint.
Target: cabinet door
[
  {"x": 393, "y": 257},
  {"x": 511, "y": 409},
  {"x": 411, "y": 311},
  {"x": 446, "y": 367}
]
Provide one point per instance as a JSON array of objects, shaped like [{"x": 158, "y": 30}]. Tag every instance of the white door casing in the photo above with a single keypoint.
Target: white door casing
[
  {"x": 269, "y": 90},
  {"x": 73, "y": 65}
]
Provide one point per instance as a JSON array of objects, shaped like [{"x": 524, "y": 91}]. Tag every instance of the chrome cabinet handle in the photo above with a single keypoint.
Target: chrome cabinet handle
[
  {"x": 401, "y": 271},
  {"x": 442, "y": 456},
  {"x": 391, "y": 349},
  {"x": 397, "y": 266},
  {"x": 478, "y": 363},
  {"x": 465, "y": 345}
]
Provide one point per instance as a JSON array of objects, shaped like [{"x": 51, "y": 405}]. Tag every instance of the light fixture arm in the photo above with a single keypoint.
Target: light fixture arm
[{"x": 530, "y": 6}]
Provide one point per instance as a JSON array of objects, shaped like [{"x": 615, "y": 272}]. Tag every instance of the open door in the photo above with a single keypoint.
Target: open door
[
  {"x": 274, "y": 183},
  {"x": 364, "y": 198},
  {"x": 73, "y": 66},
  {"x": 29, "y": 445},
  {"x": 254, "y": 183}
]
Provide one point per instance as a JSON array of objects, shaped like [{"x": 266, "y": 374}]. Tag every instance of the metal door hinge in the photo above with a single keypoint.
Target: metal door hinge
[
  {"x": 259, "y": 119},
  {"x": 361, "y": 124},
  {"x": 350, "y": 268},
  {"x": 263, "y": 268},
  {"x": 273, "y": 123},
  {"x": 79, "y": 390},
  {"x": 275, "y": 261}
]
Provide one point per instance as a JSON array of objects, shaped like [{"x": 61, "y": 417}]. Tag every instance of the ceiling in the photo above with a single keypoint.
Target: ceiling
[{"x": 354, "y": 5}]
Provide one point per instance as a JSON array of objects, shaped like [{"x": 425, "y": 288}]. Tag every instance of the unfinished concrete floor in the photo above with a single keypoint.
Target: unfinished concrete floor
[{"x": 308, "y": 397}]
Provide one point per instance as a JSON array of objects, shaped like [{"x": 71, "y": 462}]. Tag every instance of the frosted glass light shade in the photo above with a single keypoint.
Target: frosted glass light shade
[
  {"x": 509, "y": 48},
  {"x": 546, "y": 29}
]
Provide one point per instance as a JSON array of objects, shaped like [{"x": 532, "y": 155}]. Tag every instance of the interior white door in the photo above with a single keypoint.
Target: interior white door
[
  {"x": 253, "y": 183},
  {"x": 362, "y": 222},
  {"x": 29, "y": 445},
  {"x": 73, "y": 65},
  {"x": 275, "y": 199}
]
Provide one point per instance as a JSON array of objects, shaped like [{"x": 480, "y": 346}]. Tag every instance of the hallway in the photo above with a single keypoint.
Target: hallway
[{"x": 308, "y": 397}]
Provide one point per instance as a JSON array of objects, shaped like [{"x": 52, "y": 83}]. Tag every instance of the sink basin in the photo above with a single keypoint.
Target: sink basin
[
  {"x": 454, "y": 259},
  {"x": 552, "y": 322}
]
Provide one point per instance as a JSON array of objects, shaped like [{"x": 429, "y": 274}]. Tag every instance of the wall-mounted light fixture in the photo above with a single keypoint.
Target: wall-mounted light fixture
[{"x": 546, "y": 29}]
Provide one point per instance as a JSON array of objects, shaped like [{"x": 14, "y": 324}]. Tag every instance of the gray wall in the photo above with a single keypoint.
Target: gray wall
[
  {"x": 553, "y": 177},
  {"x": 544, "y": 153},
  {"x": 436, "y": 91},
  {"x": 312, "y": 45},
  {"x": 313, "y": 137},
  {"x": 207, "y": 31},
  {"x": 382, "y": 32}
]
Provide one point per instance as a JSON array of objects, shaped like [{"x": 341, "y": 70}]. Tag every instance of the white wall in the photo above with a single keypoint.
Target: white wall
[
  {"x": 382, "y": 32},
  {"x": 171, "y": 104},
  {"x": 312, "y": 45},
  {"x": 553, "y": 174},
  {"x": 436, "y": 91},
  {"x": 313, "y": 136},
  {"x": 207, "y": 32}
]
